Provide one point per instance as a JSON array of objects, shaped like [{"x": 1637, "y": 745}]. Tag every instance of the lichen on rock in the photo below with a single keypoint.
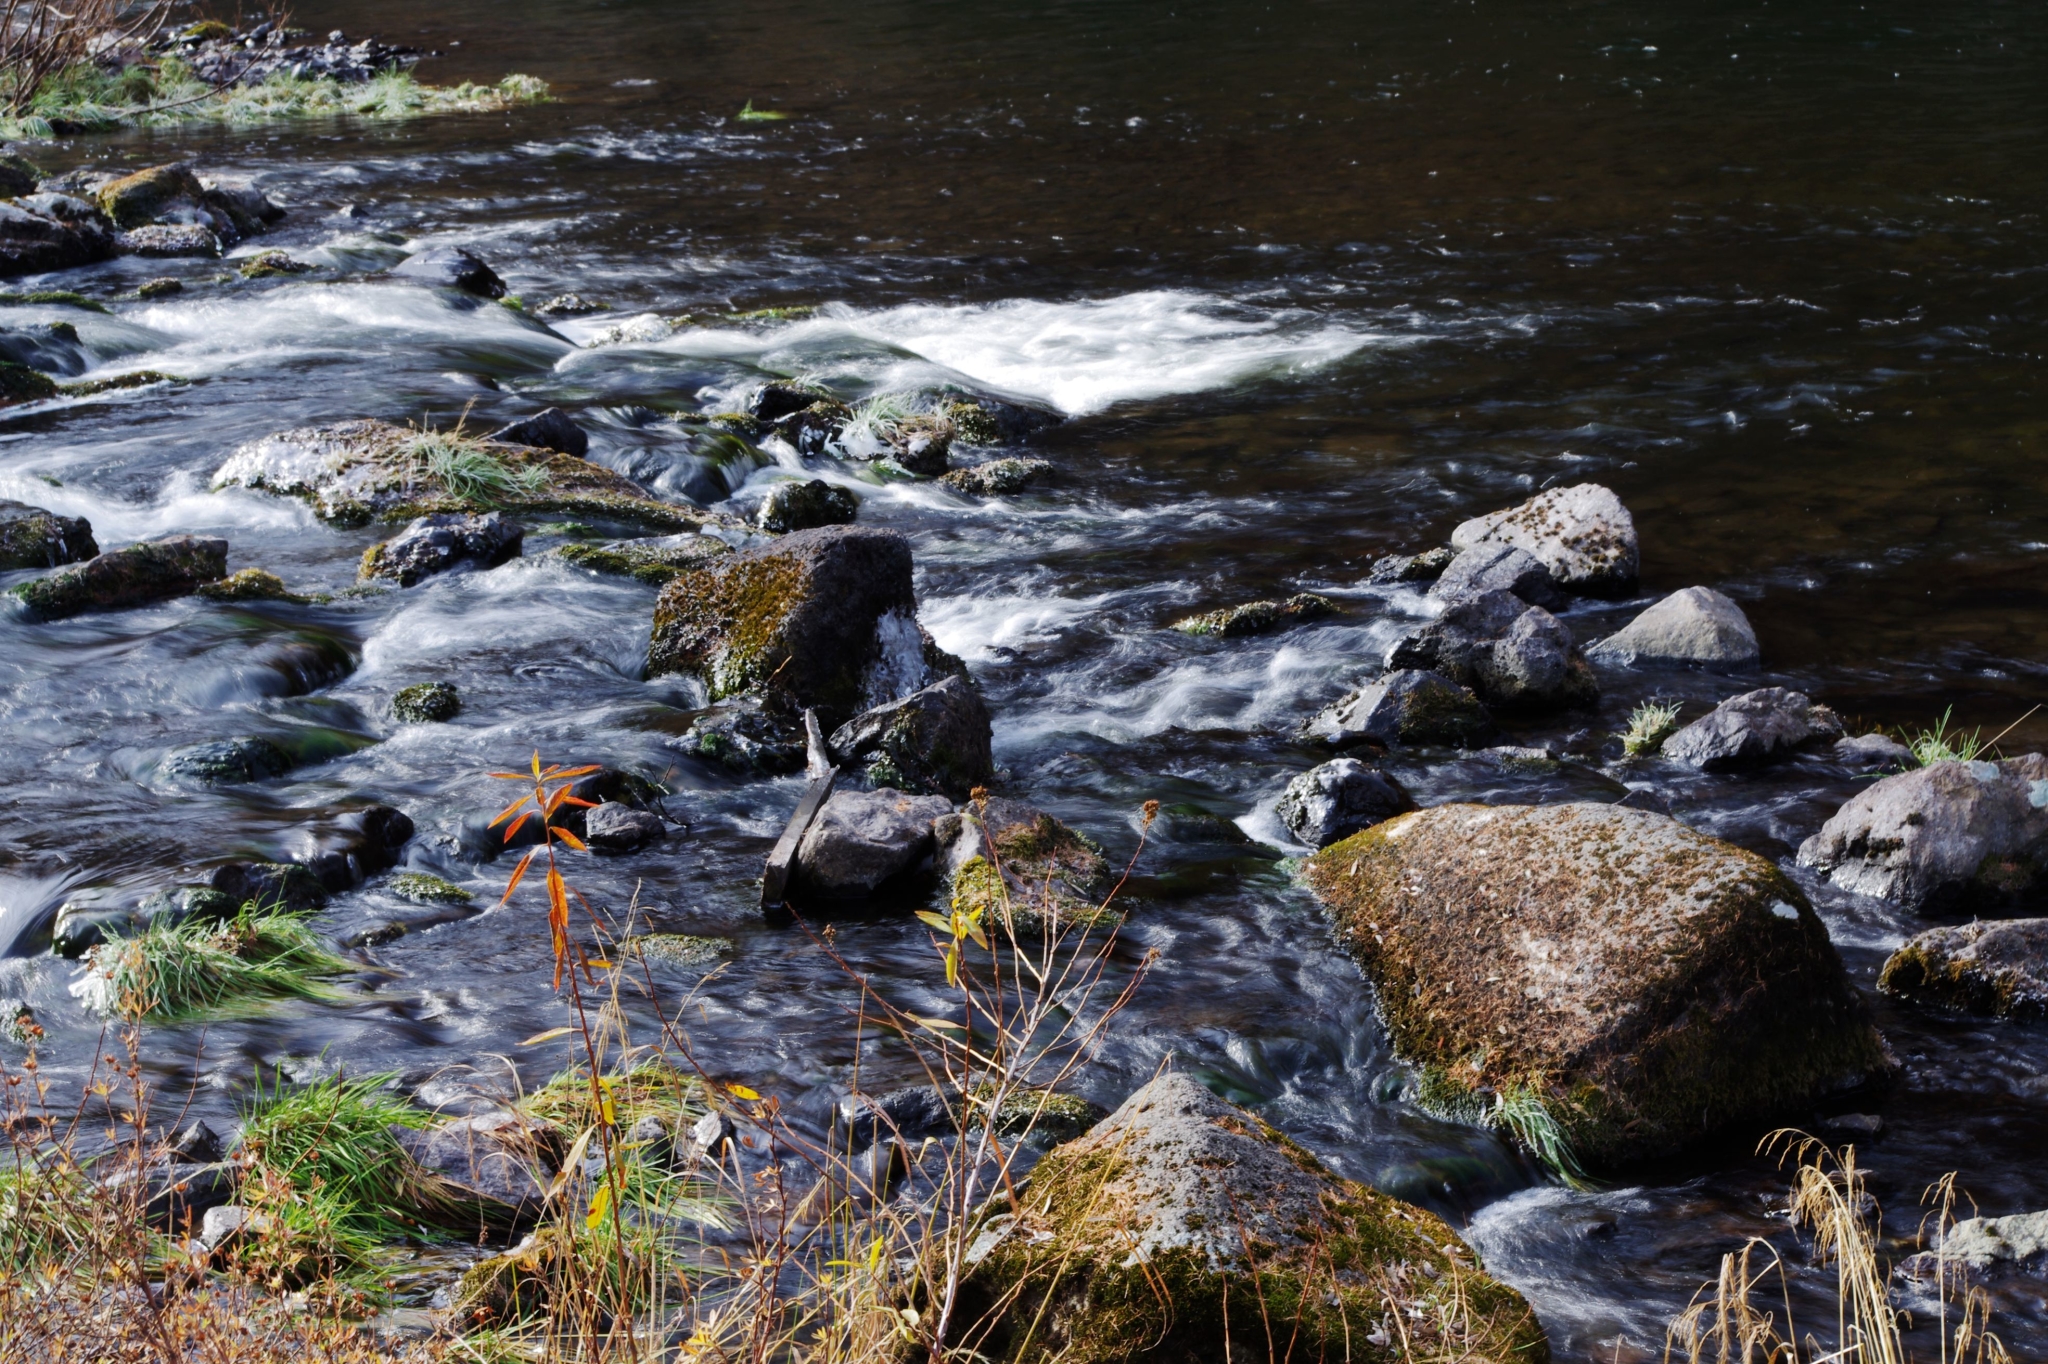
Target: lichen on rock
[
  {"x": 1017, "y": 867},
  {"x": 1997, "y": 968},
  {"x": 1257, "y": 617}
]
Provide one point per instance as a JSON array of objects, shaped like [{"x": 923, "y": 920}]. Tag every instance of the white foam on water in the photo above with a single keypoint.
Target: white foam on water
[
  {"x": 1081, "y": 357},
  {"x": 976, "y": 627},
  {"x": 184, "y": 507}
]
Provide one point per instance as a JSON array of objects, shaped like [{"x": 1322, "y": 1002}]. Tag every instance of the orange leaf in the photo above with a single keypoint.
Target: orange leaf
[
  {"x": 578, "y": 800},
  {"x": 509, "y": 776},
  {"x": 518, "y": 874},
  {"x": 582, "y": 771},
  {"x": 507, "y": 813},
  {"x": 517, "y": 825},
  {"x": 570, "y": 839}
]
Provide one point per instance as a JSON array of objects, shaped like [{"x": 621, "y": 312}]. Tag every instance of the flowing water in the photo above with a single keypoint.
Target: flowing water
[{"x": 1311, "y": 283}]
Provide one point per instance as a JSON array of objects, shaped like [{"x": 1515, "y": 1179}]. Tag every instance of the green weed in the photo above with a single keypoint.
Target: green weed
[
  {"x": 752, "y": 115},
  {"x": 173, "y": 972},
  {"x": 1944, "y": 745},
  {"x": 1649, "y": 725},
  {"x": 467, "y": 469}
]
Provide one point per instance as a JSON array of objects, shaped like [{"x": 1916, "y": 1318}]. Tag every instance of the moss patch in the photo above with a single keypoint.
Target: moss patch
[
  {"x": 655, "y": 563},
  {"x": 1258, "y": 617}
]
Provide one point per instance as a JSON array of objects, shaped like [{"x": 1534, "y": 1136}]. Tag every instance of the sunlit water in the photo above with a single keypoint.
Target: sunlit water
[{"x": 1309, "y": 287}]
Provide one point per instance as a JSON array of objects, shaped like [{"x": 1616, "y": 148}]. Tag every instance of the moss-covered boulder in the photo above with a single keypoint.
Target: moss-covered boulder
[
  {"x": 363, "y": 471},
  {"x": 136, "y": 575},
  {"x": 1184, "y": 1230},
  {"x": 135, "y": 200},
  {"x": 823, "y": 617},
  {"x": 426, "y": 703},
  {"x": 1997, "y": 968},
  {"x": 1648, "y": 986},
  {"x": 1258, "y": 617},
  {"x": 33, "y": 538},
  {"x": 655, "y": 561},
  {"x": 1023, "y": 871}
]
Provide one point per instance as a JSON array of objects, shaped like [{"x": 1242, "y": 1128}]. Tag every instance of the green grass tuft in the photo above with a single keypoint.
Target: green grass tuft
[
  {"x": 1944, "y": 745},
  {"x": 1649, "y": 725},
  {"x": 173, "y": 972},
  {"x": 468, "y": 469},
  {"x": 752, "y": 115}
]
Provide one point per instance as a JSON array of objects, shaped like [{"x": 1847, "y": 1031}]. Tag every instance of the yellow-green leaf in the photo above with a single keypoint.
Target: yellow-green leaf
[
  {"x": 938, "y": 921},
  {"x": 742, "y": 1092},
  {"x": 600, "y": 1203},
  {"x": 550, "y": 1035}
]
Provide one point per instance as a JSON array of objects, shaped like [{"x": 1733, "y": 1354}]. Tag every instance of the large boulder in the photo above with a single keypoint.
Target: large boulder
[
  {"x": 862, "y": 840},
  {"x": 43, "y": 232},
  {"x": 1014, "y": 865},
  {"x": 1338, "y": 799},
  {"x": 1949, "y": 838},
  {"x": 1184, "y": 1230},
  {"x": 135, "y": 575},
  {"x": 33, "y": 538},
  {"x": 1753, "y": 729},
  {"x": 1494, "y": 567},
  {"x": 1407, "y": 706},
  {"x": 935, "y": 741},
  {"x": 1998, "y": 968},
  {"x": 1515, "y": 656},
  {"x": 823, "y": 617},
  {"x": 1645, "y": 986},
  {"x": 1694, "y": 625},
  {"x": 434, "y": 544},
  {"x": 362, "y": 471},
  {"x": 1582, "y": 534}
]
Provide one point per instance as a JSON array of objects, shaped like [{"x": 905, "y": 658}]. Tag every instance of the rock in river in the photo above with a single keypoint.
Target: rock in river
[
  {"x": 1185, "y": 1230},
  {"x": 43, "y": 232},
  {"x": 1753, "y": 729},
  {"x": 495, "y": 1167},
  {"x": 135, "y": 575},
  {"x": 1999, "y": 968},
  {"x": 451, "y": 267},
  {"x": 1498, "y": 568},
  {"x": 653, "y": 560},
  {"x": 1255, "y": 618},
  {"x": 426, "y": 703},
  {"x": 1582, "y": 534},
  {"x": 1517, "y": 657},
  {"x": 550, "y": 429},
  {"x": 1948, "y": 838},
  {"x": 798, "y": 505},
  {"x": 615, "y": 827},
  {"x": 226, "y": 762},
  {"x": 861, "y": 840},
  {"x": 1408, "y": 706},
  {"x": 1338, "y": 799},
  {"x": 934, "y": 741},
  {"x": 1043, "y": 874},
  {"x": 1694, "y": 625},
  {"x": 437, "y": 543},
  {"x": 1649, "y": 986},
  {"x": 33, "y": 538},
  {"x": 822, "y": 617}
]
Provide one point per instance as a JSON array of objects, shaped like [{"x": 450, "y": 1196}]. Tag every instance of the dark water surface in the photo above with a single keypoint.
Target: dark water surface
[{"x": 1313, "y": 283}]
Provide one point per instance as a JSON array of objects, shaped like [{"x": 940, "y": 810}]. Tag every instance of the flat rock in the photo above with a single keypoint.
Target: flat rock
[
  {"x": 799, "y": 505},
  {"x": 864, "y": 839},
  {"x": 134, "y": 575},
  {"x": 1997, "y": 968},
  {"x": 1338, "y": 799},
  {"x": 1650, "y": 986},
  {"x": 1693, "y": 625},
  {"x": 550, "y": 429},
  {"x": 451, "y": 267},
  {"x": 1875, "y": 753},
  {"x": 1259, "y": 617},
  {"x": 613, "y": 827},
  {"x": 1582, "y": 534},
  {"x": 1407, "y": 706},
  {"x": 33, "y": 538},
  {"x": 1753, "y": 729},
  {"x": 434, "y": 544},
  {"x": 998, "y": 477},
  {"x": 1495, "y": 567},
  {"x": 169, "y": 240},
  {"x": 934, "y": 741},
  {"x": 1177, "y": 1187},
  {"x": 654, "y": 560}
]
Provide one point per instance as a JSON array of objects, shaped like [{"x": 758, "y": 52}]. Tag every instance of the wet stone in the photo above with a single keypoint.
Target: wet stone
[
  {"x": 1515, "y": 656},
  {"x": 681, "y": 950},
  {"x": 1497, "y": 567},
  {"x": 169, "y": 240},
  {"x": 568, "y": 305},
  {"x": 934, "y": 741},
  {"x": 1258, "y": 617},
  {"x": 427, "y": 703},
  {"x": 1407, "y": 706},
  {"x": 862, "y": 840},
  {"x": 33, "y": 538},
  {"x": 165, "y": 287},
  {"x": 616, "y": 828},
  {"x": 1425, "y": 567},
  {"x": 800, "y": 506},
  {"x": 282, "y": 885},
  {"x": 437, "y": 543},
  {"x": 1875, "y": 753},
  {"x": 550, "y": 429},
  {"x": 228, "y": 761},
  {"x": 748, "y": 738},
  {"x": 1582, "y": 534},
  {"x": 187, "y": 904},
  {"x": 451, "y": 267},
  {"x": 1338, "y": 799},
  {"x": 655, "y": 561},
  {"x": 423, "y": 888},
  {"x": 1997, "y": 968},
  {"x": 1753, "y": 729},
  {"x": 135, "y": 575},
  {"x": 998, "y": 477},
  {"x": 1697, "y": 625},
  {"x": 496, "y": 1166}
]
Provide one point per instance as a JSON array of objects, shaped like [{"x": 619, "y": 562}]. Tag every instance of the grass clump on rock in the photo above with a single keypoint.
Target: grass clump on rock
[
  {"x": 176, "y": 971},
  {"x": 1944, "y": 745},
  {"x": 1649, "y": 725}
]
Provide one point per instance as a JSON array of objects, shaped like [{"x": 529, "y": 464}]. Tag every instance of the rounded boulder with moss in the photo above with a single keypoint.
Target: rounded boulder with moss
[
  {"x": 1016, "y": 867},
  {"x": 1648, "y": 987},
  {"x": 1188, "y": 1231}
]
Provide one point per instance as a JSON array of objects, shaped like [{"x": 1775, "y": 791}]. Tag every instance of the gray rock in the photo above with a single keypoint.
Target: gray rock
[
  {"x": 33, "y": 538},
  {"x": 285, "y": 885},
  {"x": 1952, "y": 837},
  {"x": 165, "y": 240},
  {"x": 1495, "y": 567},
  {"x": 44, "y": 232},
  {"x": 613, "y": 827},
  {"x": 426, "y": 703},
  {"x": 773, "y": 401},
  {"x": 227, "y": 762},
  {"x": 1514, "y": 656},
  {"x": 797, "y": 505},
  {"x": 1997, "y": 968},
  {"x": 434, "y": 544},
  {"x": 934, "y": 741},
  {"x": 1582, "y": 534},
  {"x": 863, "y": 839},
  {"x": 546, "y": 430},
  {"x": 135, "y": 575},
  {"x": 1050, "y": 876},
  {"x": 1408, "y": 706},
  {"x": 1988, "y": 1246},
  {"x": 1412, "y": 568},
  {"x": 1694, "y": 625},
  {"x": 747, "y": 737},
  {"x": 494, "y": 1165},
  {"x": 198, "y": 1144},
  {"x": 998, "y": 477},
  {"x": 1338, "y": 799},
  {"x": 451, "y": 267},
  {"x": 187, "y": 904},
  {"x": 569, "y": 305},
  {"x": 228, "y": 1223},
  {"x": 1753, "y": 729},
  {"x": 178, "y": 1194},
  {"x": 1875, "y": 753}
]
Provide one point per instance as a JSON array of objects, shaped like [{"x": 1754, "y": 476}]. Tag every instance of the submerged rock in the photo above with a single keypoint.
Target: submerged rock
[
  {"x": 550, "y": 429},
  {"x": 1488, "y": 568},
  {"x": 1338, "y": 799},
  {"x": 135, "y": 575},
  {"x": 451, "y": 267},
  {"x": 653, "y": 561},
  {"x": 33, "y": 538},
  {"x": 1192, "y": 1227},
  {"x": 934, "y": 741},
  {"x": 357, "y": 472},
  {"x": 1582, "y": 534},
  {"x": 1407, "y": 706},
  {"x": 426, "y": 703},
  {"x": 434, "y": 544},
  {"x": 998, "y": 477},
  {"x": 1257, "y": 617},
  {"x": 797, "y": 505},
  {"x": 44, "y": 232},
  {"x": 1020, "y": 869},
  {"x": 1753, "y": 729},
  {"x": 228, "y": 761},
  {"x": 1647, "y": 986},
  {"x": 1412, "y": 568},
  {"x": 1949, "y": 838},
  {"x": 1695, "y": 625},
  {"x": 1999, "y": 968},
  {"x": 862, "y": 840},
  {"x": 822, "y": 617},
  {"x": 1514, "y": 656},
  {"x": 747, "y": 737}
]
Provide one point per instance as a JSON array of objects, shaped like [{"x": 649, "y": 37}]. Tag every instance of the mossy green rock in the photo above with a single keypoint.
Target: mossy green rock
[
  {"x": 1257, "y": 617},
  {"x": 423, "y": 888},
  {"x": 136, "y": 575},
  {"x": 427, "y": 703},
  {"x": 20, "y": 384},
  {"x": 137, "y": 199},
  {"x": 362, "y": 471},
  {"x": 33, "y": 538},
  {"x": 1651, "y": 986},
  {"x": 226, "y": 762},
  {"x": 1022, "y": 871},
  {"x": 252, "y": 584},
  {"x": 1186, "y": 1231},
  {"x": 1998, "y": 968},
  {"x": 655, "y": 561}
]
